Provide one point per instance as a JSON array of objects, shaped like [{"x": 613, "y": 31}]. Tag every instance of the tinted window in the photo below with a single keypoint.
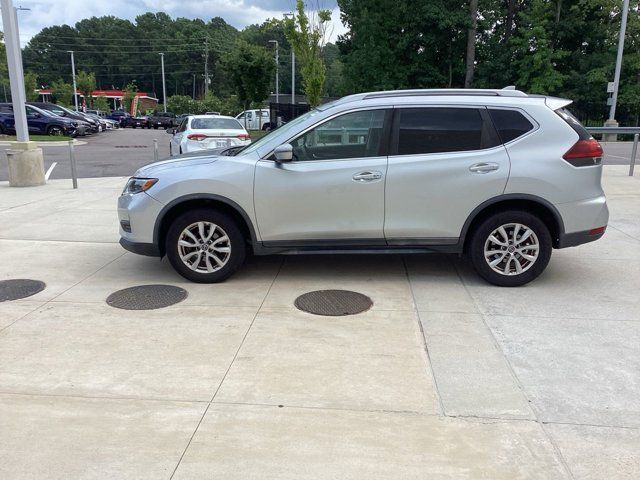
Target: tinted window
[
  {"x": 215, "y": 123},
  {"x": 437, "y": 130},
  {"x": 353, "y": 135},
  {"x": 574, "y": 123},
  {"x": 510, "y": 124}
]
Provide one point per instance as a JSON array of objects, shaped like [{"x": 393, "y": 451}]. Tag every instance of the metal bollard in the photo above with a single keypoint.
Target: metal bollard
[
  {"x": 634, "y": 150},
  {"x": 72, "y": 156},
  {"x": 155, "y": 149}
]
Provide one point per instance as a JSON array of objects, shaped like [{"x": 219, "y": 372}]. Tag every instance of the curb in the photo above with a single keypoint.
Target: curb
[{"x": 61, "y": 143}]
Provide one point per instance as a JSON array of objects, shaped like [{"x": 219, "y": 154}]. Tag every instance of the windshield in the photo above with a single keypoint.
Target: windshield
[
  {"x": 215, "y": 123},
  {"x": 287, "y": 127}
]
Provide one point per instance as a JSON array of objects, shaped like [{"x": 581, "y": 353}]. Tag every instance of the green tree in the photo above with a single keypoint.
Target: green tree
[
  {"x": 62, "y": 92},
  {"x": 31, "y": 86},
  {"x": 403, "y": 44},
  {"x": 306, "y": 34},
  {"x": 102, "y": 103},
  {"x": 129, "y": 93},
  {"x": 86, "y": 83},
  {"x": 250, "y": 69}
]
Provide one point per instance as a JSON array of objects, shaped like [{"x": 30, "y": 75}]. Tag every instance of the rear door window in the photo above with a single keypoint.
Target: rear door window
[
  {"x": 442, "y": 129},
  {"x": 510, "y": 124}
]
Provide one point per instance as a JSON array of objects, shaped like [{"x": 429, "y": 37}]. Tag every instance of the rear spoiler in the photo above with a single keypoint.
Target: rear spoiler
[{"x": 555, "y": 103}]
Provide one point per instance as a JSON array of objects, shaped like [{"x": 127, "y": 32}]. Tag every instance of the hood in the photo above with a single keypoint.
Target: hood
[{"x": 153, "y": 169}]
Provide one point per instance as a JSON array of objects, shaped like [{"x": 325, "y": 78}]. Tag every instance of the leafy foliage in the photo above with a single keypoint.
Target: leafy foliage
[
  {"x": 31, "y": 86},
  {"x": 250, "y": 68},
  {"x": 306, "y": 33}
]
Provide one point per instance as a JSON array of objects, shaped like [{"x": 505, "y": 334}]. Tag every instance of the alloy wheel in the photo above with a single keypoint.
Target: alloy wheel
[
  {"x": 511, "y": 249},
  {"x": 204, "y": 247}
]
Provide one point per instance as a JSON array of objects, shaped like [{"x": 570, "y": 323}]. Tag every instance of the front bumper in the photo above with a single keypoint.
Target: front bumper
[{"x": 147, "y": 249}]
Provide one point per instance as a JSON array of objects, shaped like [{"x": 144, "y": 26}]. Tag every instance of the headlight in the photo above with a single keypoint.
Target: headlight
[{"x": 137, "y": 185}]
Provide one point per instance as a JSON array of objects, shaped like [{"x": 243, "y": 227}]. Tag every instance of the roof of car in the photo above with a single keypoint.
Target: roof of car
[{"x": 505, "y": 96}]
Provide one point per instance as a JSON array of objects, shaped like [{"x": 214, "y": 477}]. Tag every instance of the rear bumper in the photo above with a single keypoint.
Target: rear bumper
[
  {"x": 578, "y": 238},
  {"x": 147, "y": 249}
]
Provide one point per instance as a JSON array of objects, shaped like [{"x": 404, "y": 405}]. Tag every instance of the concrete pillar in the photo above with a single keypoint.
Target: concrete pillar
[
  {"x": 610, "y": 137},
  {"x": 26, "y": 165}
]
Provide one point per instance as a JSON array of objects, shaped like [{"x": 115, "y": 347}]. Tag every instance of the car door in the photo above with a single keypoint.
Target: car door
[
  {"x": 333, "y": 190},
  {"x": 176, "y": 139},
  {"x": 35, "y": 122},
  {"x": 444, "y": 162}
]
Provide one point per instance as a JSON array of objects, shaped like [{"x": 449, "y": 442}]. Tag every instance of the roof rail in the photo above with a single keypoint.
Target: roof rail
[{"x": 508, "y": 92}]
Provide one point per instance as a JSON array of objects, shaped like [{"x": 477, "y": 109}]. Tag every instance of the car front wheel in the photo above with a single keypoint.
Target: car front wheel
[
  {"x": 205, "y": 246},
  {"x": 510, "y": 248}
]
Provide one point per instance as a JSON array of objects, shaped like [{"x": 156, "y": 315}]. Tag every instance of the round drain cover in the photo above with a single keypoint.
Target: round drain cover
[
  {"x": 333, "y": 302},
  {"x": 146, "y": 297},
  {"x": 19, "y": 288}
]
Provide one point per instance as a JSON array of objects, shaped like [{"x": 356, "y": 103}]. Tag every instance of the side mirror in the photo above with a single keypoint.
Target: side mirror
[
  {"x": 170, "y": 131},
  {"x": 283, "y": 153}
]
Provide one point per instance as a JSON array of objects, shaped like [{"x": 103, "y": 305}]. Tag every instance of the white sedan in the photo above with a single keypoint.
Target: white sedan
[{"x": 204, "y": 132}]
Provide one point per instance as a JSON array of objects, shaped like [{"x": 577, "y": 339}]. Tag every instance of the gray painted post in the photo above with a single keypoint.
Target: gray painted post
[
  {"x": 634, "y": 150},
  {"x": 72, "y": 157}
]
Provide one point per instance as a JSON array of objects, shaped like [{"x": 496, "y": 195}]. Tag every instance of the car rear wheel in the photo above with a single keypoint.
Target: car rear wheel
[
  {"x": 510, "y": 248},
  {"x": 55, "y": 131},
  {"x": 205, "y": 246}
]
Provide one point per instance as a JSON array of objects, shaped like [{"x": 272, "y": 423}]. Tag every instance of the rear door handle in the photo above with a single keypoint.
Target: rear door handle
[
  {"x": 484, "y": 167},
  {"x": 367, "y": 176}
]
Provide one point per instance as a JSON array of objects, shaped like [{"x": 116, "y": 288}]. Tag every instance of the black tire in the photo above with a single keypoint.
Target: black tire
[
  {"x": 236, "y": 243},
  {"x": 55, "y": 131},
  {"x": 266, "y": 127},
  {"x": 155, "y": 127},
  {"x": 531, "y": 270}
]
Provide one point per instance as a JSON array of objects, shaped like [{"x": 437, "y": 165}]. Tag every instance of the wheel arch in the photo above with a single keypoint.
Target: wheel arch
[
  {"x": 538, "y": 206},
  {"x": 188, "y": 202}
]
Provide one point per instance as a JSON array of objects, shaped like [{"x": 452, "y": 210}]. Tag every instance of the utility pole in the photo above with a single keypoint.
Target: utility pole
[
  {"x": 206, "y": 66},
  {"x": 194, "y": 87},
  {"x": 293, "y": 65},
  {"x": 616, "y": 79},
  {"x": 277, "y": 74},
  {"x": 25, "y": 162},
  {"x": 164, "y": 87},
  {"x": 73, "y": 74}
]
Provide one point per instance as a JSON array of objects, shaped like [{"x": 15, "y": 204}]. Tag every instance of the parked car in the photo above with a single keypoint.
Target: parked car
[
  {"x": 212, "y": 113},
  {"x": 497, "y": 175},
  {"x": 94, "y": 125},
  {"x": 119, "y": 116},
  {"x": 102, "y": 123},
  {"x": 204, "y": 132},
  {"x": 161, "y": 120},
  {"x": 255, "y": 119},
  {"x": 136, "y": 122},
  {"x": 40, "y": 122}
]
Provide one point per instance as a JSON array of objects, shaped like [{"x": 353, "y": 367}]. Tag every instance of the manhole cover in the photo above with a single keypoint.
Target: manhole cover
[
  {"x": 19, "y": 288},
  {"x": 333, "y": 302},
  {"x": 146, "y": 297}
]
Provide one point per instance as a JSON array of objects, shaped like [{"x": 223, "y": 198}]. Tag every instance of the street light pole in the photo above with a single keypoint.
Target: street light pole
[
  {"x": 14, "y": 64},
  {"x": 277, "y": 73},
  {"x": 616, "y": 79},
  {"x": 73, "y": 74},
  {"x": 293, "y": 66},
  {"x": 164, "y": 88}
]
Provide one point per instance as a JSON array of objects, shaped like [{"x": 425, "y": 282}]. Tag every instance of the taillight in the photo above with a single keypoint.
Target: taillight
[
  {"x": 243, "y": 136},
  {"x": 196, "y": 136},
  {"x": 584, "y": 153}
]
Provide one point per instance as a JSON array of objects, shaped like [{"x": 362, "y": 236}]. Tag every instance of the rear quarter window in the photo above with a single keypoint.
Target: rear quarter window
[
  {"x": 574, "y": 123},
  {"x": 510, "y": 124}
]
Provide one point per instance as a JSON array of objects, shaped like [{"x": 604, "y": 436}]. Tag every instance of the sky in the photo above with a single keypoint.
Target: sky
[{"x": 239, "y": 13}]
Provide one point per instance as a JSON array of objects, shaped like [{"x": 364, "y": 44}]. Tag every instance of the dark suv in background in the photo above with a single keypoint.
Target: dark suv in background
[
  {"x": 162, "y": 120},
  {"x": 39, "y": 122}
]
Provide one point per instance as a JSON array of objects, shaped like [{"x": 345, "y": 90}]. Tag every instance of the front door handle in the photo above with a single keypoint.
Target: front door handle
[
  {"x": 367, "y": 176},
  {"x": 484, "y": 167}
]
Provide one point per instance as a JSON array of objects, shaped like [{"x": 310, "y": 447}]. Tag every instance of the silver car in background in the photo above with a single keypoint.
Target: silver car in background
[
  {"x": 206, "y": 132},
  {"x": 497, "y": 175}
]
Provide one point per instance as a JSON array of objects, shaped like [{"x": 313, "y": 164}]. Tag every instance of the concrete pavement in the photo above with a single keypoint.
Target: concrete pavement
[{"x": 445, "y": 377}]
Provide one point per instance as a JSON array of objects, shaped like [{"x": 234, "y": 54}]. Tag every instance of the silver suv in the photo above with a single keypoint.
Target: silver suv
[{"x": 498, "y": 175}]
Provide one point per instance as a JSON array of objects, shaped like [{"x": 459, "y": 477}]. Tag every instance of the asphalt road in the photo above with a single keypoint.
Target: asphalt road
[{"x": 122, "y": 152}]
